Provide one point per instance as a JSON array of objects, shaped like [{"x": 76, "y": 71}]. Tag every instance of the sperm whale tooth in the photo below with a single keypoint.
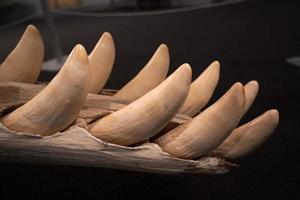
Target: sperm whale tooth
[
  {"x": 146, "y": 116},
  {"x": 57, "y": 105},
  {"x": 101, "y": 60},
  {"x": 24, "y": 62},
  {"x": 248, "y": 137},
  {"x": 208, "y": 129},
  {"x": 201, "y": 90},
  {"x": 148, "y": 78}
]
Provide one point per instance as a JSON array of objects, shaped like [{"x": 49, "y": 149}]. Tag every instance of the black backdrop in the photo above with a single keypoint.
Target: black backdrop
[{"x": 251, "y": 39}]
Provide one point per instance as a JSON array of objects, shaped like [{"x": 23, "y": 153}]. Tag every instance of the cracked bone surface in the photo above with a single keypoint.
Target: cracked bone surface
[
  {"x": 201, "y": 90},
  {"x": 208, "y": 129},
  {"x": 58, "y": 104},
  {"x": 101, "y": 60},
  {"x": 24, "y": 62},
  {"x": 148, "y": 78},
  {"x": 251, "y": 90},
  {"x": 146, "y": 116},
  {"x": 248, "y": 137}
]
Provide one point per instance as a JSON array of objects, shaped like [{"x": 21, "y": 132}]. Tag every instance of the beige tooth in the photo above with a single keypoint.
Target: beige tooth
[
  {"x": 251, "y": 90},
  {"x": 148, "y": 78},
  {"x": 57, "y": 105},
  {"x": 201, "y": 90},
  {"x": 208, "y": 129},
  {"x": 146, "y": 116},
  {"x": 101, "y": 60},
  {"x": 248, "y": 137},
  {"x": 24, "y": 63}
]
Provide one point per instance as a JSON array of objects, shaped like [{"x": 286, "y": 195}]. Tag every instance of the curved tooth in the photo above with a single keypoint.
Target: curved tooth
[
  {"x": 57, "y": 105},
  {"x": 24, "y": 63},
  {"x": 208, "y": 129},
  {"x": 148, "y": 78},
  {"x": 248, "y": 137},
  {"x": 146, "y": 116},
  {"x": 101, "y": 60},
  {"x": 251, "y": 90},
  {"x": 201, "y": 90}
]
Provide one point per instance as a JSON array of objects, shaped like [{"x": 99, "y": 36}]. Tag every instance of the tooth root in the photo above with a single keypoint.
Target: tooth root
[
  {"x": 148, "y": 78},
  {"x": 146, "y": 116},
  {"x": 101, "y": 60},
  {"x": 251, "y": 90},
  {"x": 57, "y": 105},
  {"x": 201, "y": 90},
  {"x": 248, "y": 137},
  {"x": 24, "y": 63},
  {"x": 208, "y": 129}
]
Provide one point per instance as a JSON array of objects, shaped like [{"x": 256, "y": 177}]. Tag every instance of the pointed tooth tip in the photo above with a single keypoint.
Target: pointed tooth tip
[
  {"x": 31, "y": 27},
  {"x": 80, "y": 53},
  {"x": 163, "y": 51},
  {"x": 186, "y": 69},
  {"x": 214, "y": 67},
  {"x": 106, "y": 35},
  {"x": 253, "y": 83},
  {"x": 238, "y": 86},
  {"x": 216, "y": 63},
  {"x": 163, "y": 47},
  {"x": 184, "y": 73},
  {"x": 239, "y": 91},
  {"x": 274, "y": 114}
]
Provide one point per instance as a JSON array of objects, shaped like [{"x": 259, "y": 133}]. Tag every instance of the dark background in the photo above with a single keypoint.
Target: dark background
[{"x": 251, "y": 39}]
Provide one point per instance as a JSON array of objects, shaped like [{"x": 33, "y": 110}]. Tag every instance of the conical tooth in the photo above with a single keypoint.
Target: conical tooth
[
  {"x": 201, "y": 90},
  {"x": 248, "y": 137},
  {"x": 148, "y": 78},
  {"x": 146, "y": 116},
  {"x": 101, "y": 61},
  {"x": 24, "y": 63},
  {"x": 57, "y": 105},
  {"x": 251, "y": 90},
  {"x": 208, "y": 129}
]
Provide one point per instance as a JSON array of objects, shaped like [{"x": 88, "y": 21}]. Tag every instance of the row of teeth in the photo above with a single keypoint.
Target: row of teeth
[{"x": 152, "y": 101}]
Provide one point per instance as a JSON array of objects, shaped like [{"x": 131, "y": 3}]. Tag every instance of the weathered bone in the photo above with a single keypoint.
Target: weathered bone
[
  {"x": 77, "y": 146},
  {"x": 24, "y": 63}
]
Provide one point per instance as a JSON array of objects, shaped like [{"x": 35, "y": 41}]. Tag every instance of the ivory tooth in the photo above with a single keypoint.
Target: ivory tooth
[
  {"x": 146, "y": 116},
  {"x": 101, "y": 60},
  {"x": 24, "y": 63},
  {"x": 251, "y": 90},
  {"x": 208, "y": 129},
  {"x": 57, "y": 105},
  {"x": 248, "y": 137},
  {"x": 201, "y": 90},
  {"x": 148, "y": 78}
]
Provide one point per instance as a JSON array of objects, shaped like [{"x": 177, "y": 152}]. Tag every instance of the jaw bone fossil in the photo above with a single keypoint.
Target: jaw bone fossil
[{"x": 152, "y": 102}]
